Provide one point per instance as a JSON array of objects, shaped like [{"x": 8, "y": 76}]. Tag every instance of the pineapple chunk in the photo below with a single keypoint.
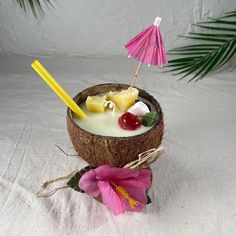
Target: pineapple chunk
[
  {"x": 111, "y": 94},
  {"x": 124, "y": 99},
  {"x": 96, "y": 103}
]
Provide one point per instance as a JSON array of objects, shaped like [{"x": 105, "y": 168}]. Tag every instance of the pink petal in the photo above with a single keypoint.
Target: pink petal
[
  {"x": 102, "y": 168},
  {"x": 135, "y": 189},
  {"x": 110, "y": 198},
  {"x": 89, "y": 183},
  {"x": 142, "y": 181},
  {"x": 144, "y": 177},
  {"x": 107, "y": 173}
]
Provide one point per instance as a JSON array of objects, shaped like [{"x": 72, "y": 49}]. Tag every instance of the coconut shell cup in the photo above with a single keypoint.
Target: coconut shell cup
[{"x": 115, "y": 151}]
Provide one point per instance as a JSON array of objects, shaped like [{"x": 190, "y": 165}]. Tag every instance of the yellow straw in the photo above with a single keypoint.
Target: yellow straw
[{"x": 65, "y": 97}]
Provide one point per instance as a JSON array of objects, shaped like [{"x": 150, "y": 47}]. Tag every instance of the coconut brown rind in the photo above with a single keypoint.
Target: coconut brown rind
[{"x": 116, "y": 151}]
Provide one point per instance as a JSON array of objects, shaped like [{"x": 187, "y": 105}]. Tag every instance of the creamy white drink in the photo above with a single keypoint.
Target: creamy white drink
[{"x": 105, "y": 124}]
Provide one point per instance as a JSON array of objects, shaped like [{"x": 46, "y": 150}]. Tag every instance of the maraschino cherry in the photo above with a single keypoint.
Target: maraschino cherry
[{"x": 129, "y": 121}]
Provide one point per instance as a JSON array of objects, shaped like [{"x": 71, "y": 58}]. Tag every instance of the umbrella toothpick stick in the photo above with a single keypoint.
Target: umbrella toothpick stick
[{"x": 136, "y": 74}]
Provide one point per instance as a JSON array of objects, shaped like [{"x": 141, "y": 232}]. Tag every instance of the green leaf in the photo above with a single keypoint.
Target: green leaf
[
  {"x": 214, "y": 35},
  {"x": 194, "y": 68},
  {"x": 49, "y": 2},
  {"x": 216, "y": 28},
  {"x": 205, "y": 69},
  {"x": 218, "y": 21},
  {"x": 34, "y": 5},
  {"x": 230, "y": 12},
  {"x": 229, "y": 53},
  {"x": 74, "y": 181},
  {"x": 201, "y": 59},
  {"x": 187, "y": 53},
  {"x": 150, "y": 118},
  {"x": 22, "y": 4},
  {"x": 185, "y": 59},
  {"x": 190, "y": 49},
  {"x": 199, "y": 45},
  {"x": 177, "y": 68},
  {"x": 206, "y": 38},
  {"x": 209, "y": 65},
  {"x": 178, "y": 64},
  {"x": 229, "y": 16},
  {"x": 149, "y": 200}
]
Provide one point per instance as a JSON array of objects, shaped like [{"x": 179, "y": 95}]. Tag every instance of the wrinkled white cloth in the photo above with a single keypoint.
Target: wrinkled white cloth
[{"x": 194, "y": 182}]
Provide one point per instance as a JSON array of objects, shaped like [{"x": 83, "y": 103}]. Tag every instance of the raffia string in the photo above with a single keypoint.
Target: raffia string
[
  {"x": 147, "y": 158},
  {"x": 50, "y": 193}
]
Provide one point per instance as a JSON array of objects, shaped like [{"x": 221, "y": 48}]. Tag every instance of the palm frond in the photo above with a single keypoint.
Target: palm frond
[
  {"x": 212, "y": 49},
  {"x": 34, "y": 5}
]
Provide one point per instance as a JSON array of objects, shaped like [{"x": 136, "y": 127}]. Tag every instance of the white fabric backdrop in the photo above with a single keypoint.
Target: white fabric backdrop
[
  {"x": 194, "y": 184},
  {"x": 98, "y": 28}
]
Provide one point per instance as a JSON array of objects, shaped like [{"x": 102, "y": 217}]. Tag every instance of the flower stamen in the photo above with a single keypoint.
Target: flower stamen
[{"x": 124, "y": 193}]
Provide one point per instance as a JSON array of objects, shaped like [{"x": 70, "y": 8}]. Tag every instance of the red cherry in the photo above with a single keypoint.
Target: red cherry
[{"x": 129, "y": 121}]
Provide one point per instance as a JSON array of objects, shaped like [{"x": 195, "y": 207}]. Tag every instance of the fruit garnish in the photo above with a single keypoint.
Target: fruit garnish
[
  {"x": 139, "y": 109},
  {"x": 129, "y": 121},
  {"x": 111, "y": 94},
  {"x": 149, "y": 118},
  {"x": 96, "y": 103},
  {"x": 124, "y": 99}
]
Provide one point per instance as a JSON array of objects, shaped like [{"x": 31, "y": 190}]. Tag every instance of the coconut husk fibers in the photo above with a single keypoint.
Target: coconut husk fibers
[{"x": 116, "y": 151}]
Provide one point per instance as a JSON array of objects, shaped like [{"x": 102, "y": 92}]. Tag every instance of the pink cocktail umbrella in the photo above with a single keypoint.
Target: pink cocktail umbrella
[{"x": 147, "y": 47}]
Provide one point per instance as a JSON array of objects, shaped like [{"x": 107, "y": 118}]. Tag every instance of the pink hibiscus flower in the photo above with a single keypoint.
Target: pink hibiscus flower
[{"x": 122, "y": 189}]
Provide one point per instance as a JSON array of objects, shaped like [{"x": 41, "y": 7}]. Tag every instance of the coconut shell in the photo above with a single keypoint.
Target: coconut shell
[{"x": 116, "y": 151}]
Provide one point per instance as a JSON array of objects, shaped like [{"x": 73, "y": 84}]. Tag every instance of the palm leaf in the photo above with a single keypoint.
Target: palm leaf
[
  {"x": 213, "y": 50},
  {"x": 215, "y": 28},
  {"x": 34, "y": 5}
]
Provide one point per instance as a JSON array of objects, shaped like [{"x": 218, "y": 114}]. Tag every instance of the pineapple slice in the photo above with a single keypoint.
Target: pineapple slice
[
  {"x": 110, "y": 95},
  {"x": 96, "y": 103},
  {"x": 124, "y": 99}
]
